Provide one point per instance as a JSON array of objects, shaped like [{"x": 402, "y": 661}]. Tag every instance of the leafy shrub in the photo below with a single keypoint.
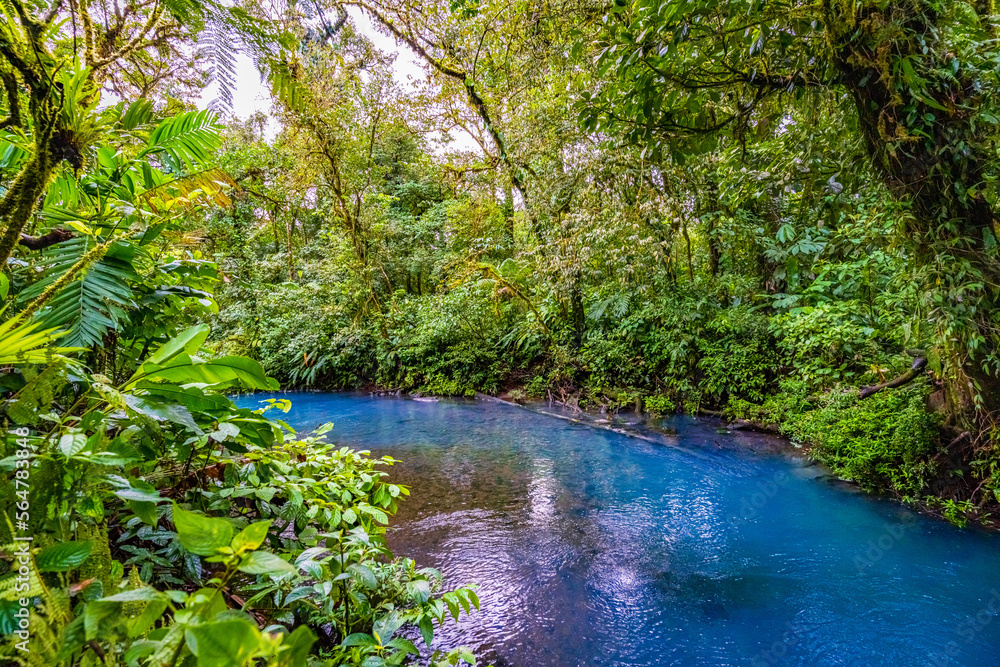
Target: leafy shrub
[
  {"x": 829, "y": 343},
  {"x": 884, "y": 443},
  {"x": 537, "y": 386},
  {"x": 659, "y": 405},
  {"x": 738, "y": 357},
  {"x": 172, "y": 526}
]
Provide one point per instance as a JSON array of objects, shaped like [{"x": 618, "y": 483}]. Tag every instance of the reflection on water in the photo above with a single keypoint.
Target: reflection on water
[{"x": 592, "y": 548}]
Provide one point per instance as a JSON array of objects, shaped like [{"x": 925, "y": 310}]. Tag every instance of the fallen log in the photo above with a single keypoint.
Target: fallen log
[{"x": 908, "y": 376}]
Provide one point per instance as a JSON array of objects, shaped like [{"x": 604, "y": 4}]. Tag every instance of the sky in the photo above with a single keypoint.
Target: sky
[{"x": 251, "y": 94}]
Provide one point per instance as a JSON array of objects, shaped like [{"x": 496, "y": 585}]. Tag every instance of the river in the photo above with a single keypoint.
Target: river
[{"x": 687, "y": 546}]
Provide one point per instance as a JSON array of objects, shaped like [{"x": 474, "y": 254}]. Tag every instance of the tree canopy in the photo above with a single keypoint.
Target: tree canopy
[{"x": 780, "y": 213}]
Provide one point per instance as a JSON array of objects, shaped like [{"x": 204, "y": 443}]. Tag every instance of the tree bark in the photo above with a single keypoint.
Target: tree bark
[
  {"x": 53, "y": 237},
  {"x": 909, "y": 376},
  {"x": 921, "y": 138}
]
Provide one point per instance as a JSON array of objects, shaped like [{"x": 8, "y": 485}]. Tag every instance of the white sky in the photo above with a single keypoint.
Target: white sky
[{"x": 251, "y": 94}]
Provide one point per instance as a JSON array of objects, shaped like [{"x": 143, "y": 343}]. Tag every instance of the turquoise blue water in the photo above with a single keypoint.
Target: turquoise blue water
[{"x": 698, "y": 548}]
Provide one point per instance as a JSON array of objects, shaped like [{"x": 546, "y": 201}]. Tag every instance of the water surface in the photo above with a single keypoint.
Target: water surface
[{"x": 705, "y": 548}]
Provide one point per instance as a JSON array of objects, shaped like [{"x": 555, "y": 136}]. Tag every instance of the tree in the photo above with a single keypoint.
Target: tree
[{"x": 689, "y": 76}]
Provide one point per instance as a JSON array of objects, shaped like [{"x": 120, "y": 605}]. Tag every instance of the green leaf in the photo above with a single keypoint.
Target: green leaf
[
  {"x": 71, "y": 444},
  {"x": 360, "y": 639},
  {"x": 137, "y": 490},
  {"x": 193, "y": 398},
  {"x": 419, "y": 590},
  {"x": 265, "y": 562},
  {"x": 188, "y": 341},
  {"x": 64, "y": 556},
  {"x": 228, "y": 643},
  {"x": 220, "y": 373},
  {"x": 386, "y": 625},
  {"x": 363, "y": 574},
  {"x": 452, "y": 605},
  {"x": 295, "y": 647},
  {"x": 226, "y": 430},
  {"x": 252, "y": 536},
  {"x": 426, "y": 625},
  {"x": 404, "y": 645},
  {"x": 146, "y": 511},
  {"x": 164, "y": 411},
  {"x": 200, "y": 534},
  {"x": 298, "y": 593}
]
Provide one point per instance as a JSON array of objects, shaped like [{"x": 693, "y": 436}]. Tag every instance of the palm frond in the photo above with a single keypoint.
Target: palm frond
[
  {"x": 30, "y": 343},
  {"x": 137, "y": 114},
  {"x": 95, "y": 301},
  {"x": 184, "y": 142},
  {"x": 209, "y": 185}
]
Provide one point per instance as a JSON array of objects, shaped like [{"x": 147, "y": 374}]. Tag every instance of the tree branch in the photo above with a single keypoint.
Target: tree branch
[
  {"x": 45, "y": 240},
  {"x": 905, "y": 378}
]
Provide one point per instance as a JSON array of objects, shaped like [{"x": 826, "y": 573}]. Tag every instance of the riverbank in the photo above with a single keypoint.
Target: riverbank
[{"x": 886, "y": 445}]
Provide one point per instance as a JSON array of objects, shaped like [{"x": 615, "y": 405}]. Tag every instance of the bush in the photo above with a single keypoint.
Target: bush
[
  {"x": 657, "y": 406},
  {"x": 884, "y": 443},
  {"x": 832, "y": 342},
  {"x": 738, "y": 357}
]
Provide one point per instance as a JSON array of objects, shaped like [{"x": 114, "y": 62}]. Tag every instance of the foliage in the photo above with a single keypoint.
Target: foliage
[
  {"x": 884, "y": 443},
  {"x": 770, "y": 210}
]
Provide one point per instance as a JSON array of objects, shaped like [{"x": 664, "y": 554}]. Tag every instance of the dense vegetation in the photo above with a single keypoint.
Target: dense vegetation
[{"x": 777, "y": 212}]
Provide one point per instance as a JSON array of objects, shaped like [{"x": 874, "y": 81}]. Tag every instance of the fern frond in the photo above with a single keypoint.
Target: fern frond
[
  {"x": 36, "y": 396},
  {"x": 222, "y": 46},
  {"x": 92, "y": 303}
]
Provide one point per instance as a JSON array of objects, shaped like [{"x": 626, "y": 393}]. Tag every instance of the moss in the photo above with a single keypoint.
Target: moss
[{"x": 98, "y": 564}]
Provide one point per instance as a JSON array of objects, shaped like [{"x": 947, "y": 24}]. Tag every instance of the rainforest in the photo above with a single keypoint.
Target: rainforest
[{"x": 512, "y": 332}]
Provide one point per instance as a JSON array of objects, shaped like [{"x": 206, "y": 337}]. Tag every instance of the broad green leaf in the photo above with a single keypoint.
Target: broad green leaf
[
  {"x": 146, "y": 511},
  {"x": 295, "y": 647},
  {"x": 426, "y": 625},
  {"x": 386, "y": 625},
  {"x": 265, "y": 562},
  {"x": 220, "y": 373},
  {"x": 228, "y": 643},
  {"x": 201, "y": 534},
  {"x": 188, "y": 342},
  {"x": 363, "y": 573},
  {"x": 71, "y": 444},
  {"x": 251, "y": 537},
  {"x": 162, "y": 411},
  {"x": 360, "y": 639},
  {"x": 64, "y": 556},
  {"x": 404, "y": 645},
  {"x": 137, "y": 490}
]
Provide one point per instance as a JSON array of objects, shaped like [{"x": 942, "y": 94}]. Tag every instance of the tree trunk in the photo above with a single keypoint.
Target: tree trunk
[
  {"x": 577, "y": 312},
  {"x": 711, "y": 213},
  {"x": 922, "y": 140}
]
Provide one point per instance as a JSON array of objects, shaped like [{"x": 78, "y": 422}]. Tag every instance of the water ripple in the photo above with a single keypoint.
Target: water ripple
[{"x": 698, "y": 548}]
